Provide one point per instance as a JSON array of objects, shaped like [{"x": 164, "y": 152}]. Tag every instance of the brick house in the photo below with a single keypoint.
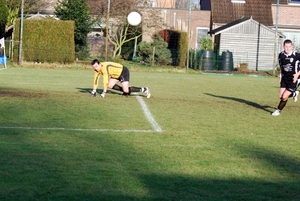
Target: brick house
[
  {"x": 288, "y": 20},
  {"x": 180, "y": 19}
]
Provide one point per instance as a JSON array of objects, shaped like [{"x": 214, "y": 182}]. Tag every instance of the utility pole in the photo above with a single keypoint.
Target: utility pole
[
  {"x": 188, "y": 36},
  {"x": 276, "y": 40},
  {"x": 21, "y": 34},
  {"x": 107, "y": 34}
]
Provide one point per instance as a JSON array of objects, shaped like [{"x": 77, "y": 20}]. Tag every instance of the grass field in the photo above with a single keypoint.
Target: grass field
[{"x": 199, "y": 137}]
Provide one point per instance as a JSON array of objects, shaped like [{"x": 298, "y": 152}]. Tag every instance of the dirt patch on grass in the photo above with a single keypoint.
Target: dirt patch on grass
[{"x": 22, "y": 94}]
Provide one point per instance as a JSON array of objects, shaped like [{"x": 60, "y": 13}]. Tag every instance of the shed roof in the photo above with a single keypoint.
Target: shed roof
[
  {"x": 238, "y": 22},
  {"x": 224, "y": 11}
]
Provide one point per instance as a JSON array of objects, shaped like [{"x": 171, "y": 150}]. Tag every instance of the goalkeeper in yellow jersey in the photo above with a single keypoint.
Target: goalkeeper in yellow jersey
[{"x": 112, "y": 74}]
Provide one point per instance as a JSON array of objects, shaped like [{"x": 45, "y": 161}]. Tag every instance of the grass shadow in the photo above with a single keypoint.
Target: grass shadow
[
  {"x": 89, "y": 90},
  {"x": 55, "y": 173},
  {"x": 180, "y": 187},
  {"x": 240, "y": 100}
]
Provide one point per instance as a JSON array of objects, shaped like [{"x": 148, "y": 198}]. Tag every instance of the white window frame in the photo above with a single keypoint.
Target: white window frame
[
  {"x": 238, "y": 1},
  {"x": 203, "y": 33},
  {"x": 293, "y": 2}
]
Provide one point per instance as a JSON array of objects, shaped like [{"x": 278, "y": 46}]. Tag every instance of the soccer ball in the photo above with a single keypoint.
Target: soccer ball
[{"x": 134, "y": 18}]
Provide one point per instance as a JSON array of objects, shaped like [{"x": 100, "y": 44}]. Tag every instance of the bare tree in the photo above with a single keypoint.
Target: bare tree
[
  {"x": 120, "y": 31},
  {"x": 30, "y": 6},
  {"x": 122, "y": 34},
  {"x": 117, "y": 7}
]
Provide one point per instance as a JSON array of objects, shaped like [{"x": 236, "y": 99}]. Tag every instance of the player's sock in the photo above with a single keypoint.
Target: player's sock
[
  {"x": 117, "y": 87},
  {"x": 135, "y": 89},
  {"x": 281, "y": 105}
]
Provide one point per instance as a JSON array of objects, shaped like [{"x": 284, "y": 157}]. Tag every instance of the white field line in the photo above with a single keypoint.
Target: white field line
[
  {"x": 145, "y": 109},
  {"x": 76, "y": 129},
  {"x": 148, "y": 115}
]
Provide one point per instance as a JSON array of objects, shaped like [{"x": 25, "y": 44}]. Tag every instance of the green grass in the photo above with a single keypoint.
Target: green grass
[{"x": 219, "y": 141}]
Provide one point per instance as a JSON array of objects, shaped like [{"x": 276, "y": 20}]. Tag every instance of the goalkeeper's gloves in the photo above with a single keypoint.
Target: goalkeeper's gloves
[
  {"x": 93, "y": 94},
  {"x": 102, "y": 95}
]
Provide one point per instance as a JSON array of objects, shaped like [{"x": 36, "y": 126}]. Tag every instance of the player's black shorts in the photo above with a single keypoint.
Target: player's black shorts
[
  {"x": 288, "y": 84},
  {"x": 125, "y": 75}
]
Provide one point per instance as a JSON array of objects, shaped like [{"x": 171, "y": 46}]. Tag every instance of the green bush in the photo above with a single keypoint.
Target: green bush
[
  {"x": 177, "y": 44},
  {"x": 46, "y": 41},
  {"x": 207, "y": 43},
  {"x": 155, "y": 52},
  {"x": 183, "y": 48},
  {"x": 82, "y": 52}
]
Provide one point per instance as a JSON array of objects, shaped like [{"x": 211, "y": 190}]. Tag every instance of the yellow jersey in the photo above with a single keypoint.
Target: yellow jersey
[{"x": 108, "y": 70}]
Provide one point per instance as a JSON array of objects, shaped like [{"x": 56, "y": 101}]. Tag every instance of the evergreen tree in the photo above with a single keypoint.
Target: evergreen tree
[
  {"x": 3, "y": 17},
  {"x": 78, "y": 11}
]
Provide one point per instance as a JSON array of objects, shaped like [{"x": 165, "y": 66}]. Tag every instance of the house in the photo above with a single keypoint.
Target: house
[
  {"x": 284, "y": 16},
  {"x": 279, "y": 16},
  {"x": 196, "y": 22},
  {"x": 226, "y": 11},
  {"x": 288, "y": 20},
  {"x": 249, "y": 41}
]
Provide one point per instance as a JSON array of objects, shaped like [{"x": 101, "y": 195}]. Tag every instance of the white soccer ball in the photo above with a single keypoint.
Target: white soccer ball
[{"x": 134, "y": 18}]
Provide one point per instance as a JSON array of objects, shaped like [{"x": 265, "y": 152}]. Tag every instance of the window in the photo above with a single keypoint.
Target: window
[
  {"x": 294, "y": 1},
  {"x": 201, "y": 32},
  {"x": 238, "y": 1}
]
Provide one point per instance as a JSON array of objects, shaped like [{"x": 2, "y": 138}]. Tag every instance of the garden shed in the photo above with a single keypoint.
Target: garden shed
[{"x": 250, "y": 42}]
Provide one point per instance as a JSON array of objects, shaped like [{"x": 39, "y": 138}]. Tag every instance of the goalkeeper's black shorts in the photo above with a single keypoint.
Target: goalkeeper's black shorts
[{"x": 125, "y": 75}]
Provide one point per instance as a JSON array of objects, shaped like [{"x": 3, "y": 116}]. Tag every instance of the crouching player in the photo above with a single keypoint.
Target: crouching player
[{"x": 112, "y": 74}]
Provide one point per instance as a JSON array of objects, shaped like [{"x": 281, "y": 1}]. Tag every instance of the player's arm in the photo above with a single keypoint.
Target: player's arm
[
  {"x": 95, "y": 83},
  {"x": 296, "y": 75},
  {"x": 105, "y": 85},
  {"x": 280, "y": 68}
]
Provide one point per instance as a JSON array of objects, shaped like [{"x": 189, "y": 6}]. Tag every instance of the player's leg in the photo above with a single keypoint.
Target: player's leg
[
  {"x": 125, "y": 86},
  {"x": 124, "y": 79},
  {"x": 284, "y": 98},
  {"x": 112, "y": 84},
  {"x": 145, "y": 90},
  {"x": 281, "y": 91},
  {"x": 282, "y": 103},
  {"x": 117, "y": 87},
  {"x": 296, "y": 92}
]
